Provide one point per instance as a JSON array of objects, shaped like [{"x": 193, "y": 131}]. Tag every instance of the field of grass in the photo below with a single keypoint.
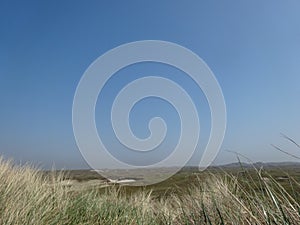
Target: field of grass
[{"x": 216, "y": 196}]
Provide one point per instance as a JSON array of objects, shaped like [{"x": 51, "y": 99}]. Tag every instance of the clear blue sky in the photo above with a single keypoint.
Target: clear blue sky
[{"x": 252, "y": 47}]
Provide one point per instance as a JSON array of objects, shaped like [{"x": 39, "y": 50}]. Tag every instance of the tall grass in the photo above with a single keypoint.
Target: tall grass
[{"x": 27, "y": 197}]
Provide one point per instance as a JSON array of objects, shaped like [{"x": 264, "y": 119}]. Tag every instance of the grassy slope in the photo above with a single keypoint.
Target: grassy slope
[{"x": 213, "y": 197}]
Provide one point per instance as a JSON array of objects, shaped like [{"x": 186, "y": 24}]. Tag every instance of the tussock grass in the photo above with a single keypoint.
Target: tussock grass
[{"x": 28, "y": 197}]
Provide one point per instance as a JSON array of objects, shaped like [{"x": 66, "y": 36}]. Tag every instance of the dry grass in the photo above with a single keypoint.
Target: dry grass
[{"x": 26, "y": 197}]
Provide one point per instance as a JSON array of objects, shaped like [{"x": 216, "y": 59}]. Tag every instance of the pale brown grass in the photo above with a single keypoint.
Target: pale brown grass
[{"x": 27, "y": 197}]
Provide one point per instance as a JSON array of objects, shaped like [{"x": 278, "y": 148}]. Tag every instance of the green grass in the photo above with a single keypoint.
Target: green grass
[{"x": 216, "y": 196}]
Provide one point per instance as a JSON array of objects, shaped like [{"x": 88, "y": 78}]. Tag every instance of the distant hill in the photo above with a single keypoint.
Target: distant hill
[{"x": 261, "y": 164}]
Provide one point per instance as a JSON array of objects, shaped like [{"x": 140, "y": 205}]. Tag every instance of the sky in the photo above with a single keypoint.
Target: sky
[{"x": 252, "y": 47}]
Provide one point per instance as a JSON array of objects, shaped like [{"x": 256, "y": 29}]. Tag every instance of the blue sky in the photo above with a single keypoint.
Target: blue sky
[{"x": 252, "y": 47}]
